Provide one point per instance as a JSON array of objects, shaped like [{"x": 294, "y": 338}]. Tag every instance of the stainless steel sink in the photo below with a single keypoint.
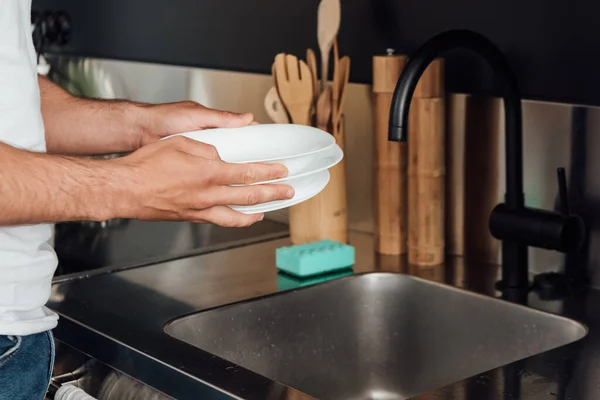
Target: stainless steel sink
[{"x": 374, "y": 336}]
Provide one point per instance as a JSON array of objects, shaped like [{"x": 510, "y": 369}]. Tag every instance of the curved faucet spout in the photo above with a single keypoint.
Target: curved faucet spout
[{"x": 417, "y": 65}]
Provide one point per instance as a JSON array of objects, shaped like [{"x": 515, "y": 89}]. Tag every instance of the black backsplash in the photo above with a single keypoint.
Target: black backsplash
[{"x": 553, "y": 45}]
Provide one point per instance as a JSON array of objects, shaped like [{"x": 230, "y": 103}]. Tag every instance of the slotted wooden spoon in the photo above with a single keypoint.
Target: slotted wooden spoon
[{"x": 274, "y": 107}]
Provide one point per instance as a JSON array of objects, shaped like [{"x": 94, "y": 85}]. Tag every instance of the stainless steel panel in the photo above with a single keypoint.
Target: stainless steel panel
[
  {"x": 374, "y": 336},
  {"x": 552, "y": 137}
]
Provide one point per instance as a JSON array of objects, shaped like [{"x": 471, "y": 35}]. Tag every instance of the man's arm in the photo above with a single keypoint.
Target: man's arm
[
  {"x": 38, "y": 188},
  {"x": 160, "y": 181},
  {"x": 80, "y": 126},
  {"x": 84, "y": 127}
]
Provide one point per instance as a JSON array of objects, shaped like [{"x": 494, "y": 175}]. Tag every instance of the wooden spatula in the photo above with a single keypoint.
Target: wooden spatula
[
  {"x": 294, "y": 85},
  {"x": 311, "y": 60},
  {"x": 337, "y": 120}
]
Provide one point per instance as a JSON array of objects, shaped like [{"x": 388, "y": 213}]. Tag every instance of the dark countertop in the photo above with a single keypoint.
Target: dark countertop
[
  {"x": 119, "y": 318},
  {"x": 123, "y": 243}
]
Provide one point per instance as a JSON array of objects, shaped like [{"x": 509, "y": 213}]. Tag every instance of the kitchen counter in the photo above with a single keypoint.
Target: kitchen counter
[
  {"x": 123, "y": 243},
  {"x": 118, "y": 317}
]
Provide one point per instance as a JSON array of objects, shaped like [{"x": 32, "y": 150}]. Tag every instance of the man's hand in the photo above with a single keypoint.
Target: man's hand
[
  {"x": 182, "y": 179},
  {"x": 161, "y": 120}
]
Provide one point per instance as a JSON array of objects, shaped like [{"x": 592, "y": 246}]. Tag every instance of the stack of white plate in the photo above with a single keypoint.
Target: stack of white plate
[{"x": 307, "y": 152}]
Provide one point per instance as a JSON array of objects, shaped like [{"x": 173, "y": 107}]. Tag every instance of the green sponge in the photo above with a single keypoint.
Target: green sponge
[
  {"x": 286, "y": 281},
  {"x": 314, "y": 258}
]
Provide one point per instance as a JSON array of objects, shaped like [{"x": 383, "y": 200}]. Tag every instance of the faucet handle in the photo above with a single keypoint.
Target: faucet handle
[
  {"x": 561, "y": 231},
  {"x": 562, "y": 191}
]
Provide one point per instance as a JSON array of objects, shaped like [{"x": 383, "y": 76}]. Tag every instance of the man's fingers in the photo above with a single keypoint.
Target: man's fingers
[
  {"x": 226, "y": 217},
  {"x": 210, "y": 118},
  {"x": 245, "y": 174},
  {"x": 248, "y": 195},
  {"x": 194, "y": 147}
]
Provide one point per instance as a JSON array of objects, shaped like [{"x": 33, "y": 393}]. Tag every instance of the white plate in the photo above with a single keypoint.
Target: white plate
[
  {"x": 263, "y": 142},
  {"x": 307, "y": 187},
  {"x": 306, "y": 165}
]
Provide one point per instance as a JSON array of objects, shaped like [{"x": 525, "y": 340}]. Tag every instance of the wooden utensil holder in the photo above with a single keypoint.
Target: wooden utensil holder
[{"x": 325, "y": 215}]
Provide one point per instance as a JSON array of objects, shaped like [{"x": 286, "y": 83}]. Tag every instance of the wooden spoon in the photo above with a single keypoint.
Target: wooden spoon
[
  {"x": 328, "y": 25},
  {"x": 275, "y": 108},
  {"x": 335, "y": 95},
  {"x": 324, "y": 109},
  {"x": 344, "y": 78},
  {"x": 294, "y": 86}
]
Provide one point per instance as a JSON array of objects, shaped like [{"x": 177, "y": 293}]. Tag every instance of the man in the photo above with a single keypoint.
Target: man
[{"x": 42, "y": 129}]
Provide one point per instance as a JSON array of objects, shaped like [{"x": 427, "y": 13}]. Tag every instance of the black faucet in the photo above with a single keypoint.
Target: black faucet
[{"x": 511, "y": 222}]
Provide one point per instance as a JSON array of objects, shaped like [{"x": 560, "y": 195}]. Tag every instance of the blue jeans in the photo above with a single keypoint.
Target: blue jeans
[{"x": 26, "y": 364}]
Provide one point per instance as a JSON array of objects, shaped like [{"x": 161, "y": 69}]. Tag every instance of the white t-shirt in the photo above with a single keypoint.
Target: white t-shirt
[{"x": 27, "y": 261}]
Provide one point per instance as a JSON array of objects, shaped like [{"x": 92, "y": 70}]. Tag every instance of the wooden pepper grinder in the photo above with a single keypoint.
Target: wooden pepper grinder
[
  {"x": 390, "y": 161},
  {"x": 426, "y": 169}
]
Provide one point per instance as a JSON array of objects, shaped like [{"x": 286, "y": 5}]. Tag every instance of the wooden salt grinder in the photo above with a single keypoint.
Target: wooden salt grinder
[
  {"x": 426, "y": 169},
  {"x": 390, "y": 161}
]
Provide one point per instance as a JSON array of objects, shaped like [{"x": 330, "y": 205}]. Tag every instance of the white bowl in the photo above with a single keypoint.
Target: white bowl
[
  {"x": 305, "y": 188},
  {"x": 306, "y": 165},
  {"x": 263, "y": 142}
]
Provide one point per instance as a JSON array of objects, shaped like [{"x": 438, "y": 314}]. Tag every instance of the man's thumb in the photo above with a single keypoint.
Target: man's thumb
[{"x": 227, "y": 119}]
